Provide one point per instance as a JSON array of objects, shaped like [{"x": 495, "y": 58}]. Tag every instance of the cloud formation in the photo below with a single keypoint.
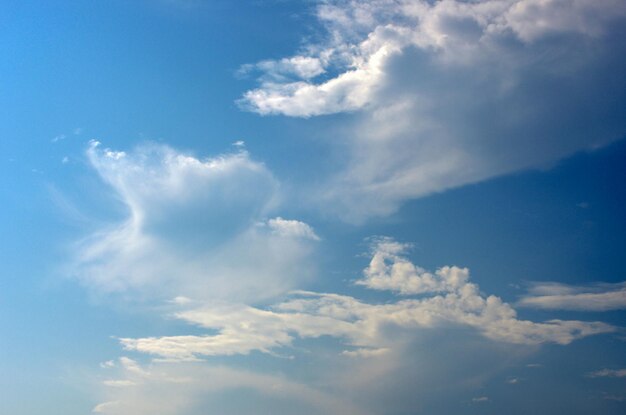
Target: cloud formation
[
  {"x": 191, "y": 388},
  {"x": 452, "y": 301},
  {"x": 619, "y": 373},
  {"x": 556, "y": 296},
  {"x": 452, "y": 92},
  {"x": 194, "y": 228}
]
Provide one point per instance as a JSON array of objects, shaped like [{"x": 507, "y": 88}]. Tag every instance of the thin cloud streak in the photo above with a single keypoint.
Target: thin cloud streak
[{"x": 556, "y": 296}]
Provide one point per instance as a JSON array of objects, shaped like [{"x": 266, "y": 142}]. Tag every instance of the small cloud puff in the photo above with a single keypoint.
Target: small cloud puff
[
  {"x": 291, "y": 229},
  {"x": 480, "y": 399}
]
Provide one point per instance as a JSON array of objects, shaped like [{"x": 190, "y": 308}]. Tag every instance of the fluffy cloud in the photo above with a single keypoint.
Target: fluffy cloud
[
  {"x": 452, "y": 301},
  {"x": 291, "y": 228},
  {"x": 192, "y": 229},
  {"x": 555, "y": 296},
  {"x": 452, "y": 92}
]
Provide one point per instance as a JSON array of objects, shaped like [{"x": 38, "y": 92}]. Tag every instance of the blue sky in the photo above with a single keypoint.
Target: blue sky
[{"x": 319, "y": 207}]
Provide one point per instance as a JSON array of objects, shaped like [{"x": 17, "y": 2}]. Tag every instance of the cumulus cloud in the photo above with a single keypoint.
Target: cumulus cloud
[
  {"x": 389, "y": 270},
  {"x": 556, "y": 296},
  {"x": 191, "y": 229},
  {"x": 452, "y": 301},
  {"x": 452, "y": 92}
]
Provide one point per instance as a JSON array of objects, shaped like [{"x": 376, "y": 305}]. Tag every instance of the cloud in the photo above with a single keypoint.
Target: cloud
[
  {"x": 604, "y": 373},
  {"x": 452, "y": 301},
  {"x": 480, "y": 399},
  {"x": 365, "y": 352},
  {"x": 301, "y": 67},
  {"x": 191, "y": 229},
  {"x": 556, "y": 296},
  {"x": 119, "y": 383},
  {"x": 58, "y": 138},
  {"x": 389, "y": 270},
  {"x": 291, "y": 228},
  {"x": 105, "y": 407},
  {"x": 192, "y": 388},
  {"x": 452, "y": 92}
]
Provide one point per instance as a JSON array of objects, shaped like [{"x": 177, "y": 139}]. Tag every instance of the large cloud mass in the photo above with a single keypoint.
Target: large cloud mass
[{"x": 453, "y": 92}]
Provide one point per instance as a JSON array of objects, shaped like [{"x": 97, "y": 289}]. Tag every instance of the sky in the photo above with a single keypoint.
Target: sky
[{"x": 335, "y": 207}]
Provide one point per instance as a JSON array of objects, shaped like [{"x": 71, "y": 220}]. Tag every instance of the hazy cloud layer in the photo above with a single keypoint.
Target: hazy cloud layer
[
  {"x": 190, "y": 388},
  {"x": 195, "y": 228},
  {"x": 452, "y": 92}
]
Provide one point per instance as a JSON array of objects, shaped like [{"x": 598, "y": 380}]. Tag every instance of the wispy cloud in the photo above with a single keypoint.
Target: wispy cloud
[
  {"x": 557, "y": 296},
  {"x": 608, "y": 373},
  {"x": 171, "y": 389},
  {"x": 191, "y": 229},
  {"x": 480, "y": 399}
]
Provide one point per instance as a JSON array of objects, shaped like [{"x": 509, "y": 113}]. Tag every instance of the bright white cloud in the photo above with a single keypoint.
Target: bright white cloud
[
  {"x": 191, "y": 230},
  {"x": 555, "y": 296},
  {"x": 291, "y": 228},
  {"x": 452, "y": 92},
  {"x": 367, "y": 35},
  {"x": 453, "y": 301},
  {"x": 389, "y": 270}
]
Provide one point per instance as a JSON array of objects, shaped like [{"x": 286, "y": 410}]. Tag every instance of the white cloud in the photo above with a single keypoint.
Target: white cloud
[
  {"x": 365, "y": 352},
  {"x": 172, "y": 389},
  {"x": 107, "y": 364},
  {"x": 181, "y": 300},
  {"x": 119, "y": 383},
  {"x": 453, "y": 301},
  {"x": 302, "y": 67},
  {"x": 191, "y": 229},
  {"x": 555, "y": 296},
  {"x": 105, "y": 407},
  {"x": 58, "y": 138},
  {"x": 604, "y": 373},
  {"x": 389, "y": 270},
  {"x": 367, "y": 35},
  {"x": 452, "y": 92},
  {"x": 291, "y": 228},
  {"x": 480, "y": 399}
]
